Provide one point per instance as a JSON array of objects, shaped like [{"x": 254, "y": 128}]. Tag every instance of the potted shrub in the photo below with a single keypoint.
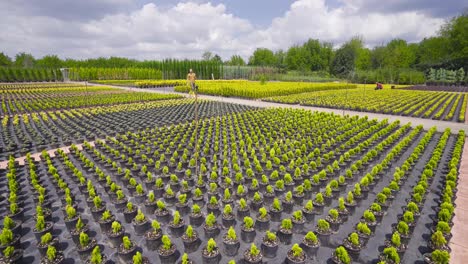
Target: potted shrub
[
  {"x": 167, "y": 251},
  {"x": 376, "y": 209},
  {"x": 263, "y": 219},
  {"x": 319, "y": 202},
  {"x": 71, "y": 217},
  {"x": 116, "y": 233},
  {"x": 227, "y": 216},
  {"x": 86, "y": 245},
  {"x": 196, "y": 217},
  {"x": 253, "y": 255},
  {"x": 177, "y": 224},
  {"x": 41, "y": 228},
  {"x": 153, "y": 236},
  {"x": 126, "y": 249},
  {"x": 369, "y": 218},
  {"x": 437, "y": 257},
  {"x": 243, "y": 209},
  {"x": 210, "y": 253},
  {"x": 46, "y": 241},
  {"x": 13, "y": 225},
  {"x": 190, "y": 239},
  {"x": 98, "y": 208},
  {"x": 353, "y": 245},
  {"x": 185, "y": 259},
  {"x": 7, "y": 238},
  {"x": 257, "y": 201},
  {"x": 298, "y": 221},
  {"x": 403, "y": 229},
  {"x": 342, "y": 210},
  {"x": 340, "y": 256},
  {"x": 120, "y": 200},
  {"x": 248, "y": 230},
  {"x": 323, "y": 231},
  {"x": 105, "y": 222},
  {"x": 296, "y": 255},
  {"x": 11, "y": 255},
  {"x": 130, "y": 212},
  {"x": 395, "y": 242},
  {"x": 333, "y": 218},
  {"x": 270, "y": 244},
  {"x": 53, "y": 257},
  {"x": 275, "y": 210},
  {"x": 213, "y": 206},
  {"x": 364, "y": 232},
  {"x": 231, "y": 242},
  {"x": 198, "y": 197},
  {"x": 438, "y": 241},
  {"x": 139, "y": 259},
  {"x": 310, "y": 243},
  {"x": 140, "y": 223},
  {"x": 285, "y": 231},
  {"x": 162, "y": 214},
  {"x": 308, "y": 211},
  {"x": 288, "y": 202},
  {"x": 269, "y": 194},
  {"x": 390, "y": 256},
  {"x": 445, "y": 228},
  {"x": 210, "y": 226}
]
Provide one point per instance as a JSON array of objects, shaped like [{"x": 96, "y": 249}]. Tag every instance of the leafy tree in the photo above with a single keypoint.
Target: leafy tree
[
  {"x": 50, "y": 61},
  {"x": 24, "y": 60},
  {"x": 344, "y": 61},
  {"x": 207, "y": 55},
  {"x": 262, "y": 57},
  {"x": 236, "y": 60},
  {"x": 5, "y": 60}
]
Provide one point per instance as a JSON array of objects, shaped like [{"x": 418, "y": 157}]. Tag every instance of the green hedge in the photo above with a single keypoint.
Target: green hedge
[{"x": 29, "y": 75}]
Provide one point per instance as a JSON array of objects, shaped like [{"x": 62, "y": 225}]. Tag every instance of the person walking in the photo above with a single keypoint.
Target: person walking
[{"x": 191, "y": 77}]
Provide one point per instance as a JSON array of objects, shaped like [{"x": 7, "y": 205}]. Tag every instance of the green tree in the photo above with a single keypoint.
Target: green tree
[
  {"x": 262, "y": 57},
  {"x": 5, "y": 60},
  {"x": 50, "y": 61},
  {"x": 456, "y": 33},
  {"x": 399, "y": 55},
  {"x": 24, "y": 60},
  {"x": 236, "y": 60},
  {"x": 207, "y": 55},
  {"x": 344, "y": 60}
]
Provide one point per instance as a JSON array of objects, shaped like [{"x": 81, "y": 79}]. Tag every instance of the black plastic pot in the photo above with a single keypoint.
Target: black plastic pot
[
  {"x": 196, "y": 220},
  {"x": 210, "y": 259},
  {"x": 71, "y": 223},
  {"x": 177, "y": 230},
  {"x": 141, "y": 228},
  {"x": 285, "y": 236},
  {"x": 263, "y": 224},
  {"x": 127, "y": 255},
  {"x": 231, "y": 248},
  {"x": 129, "y": 216},
  {"x": 86, "y": 252},
  {"x": 153, "y": 240},
  {"x": 211, "y": 232},
  {"x": 275, "y": 215},
  {"x": 43, "y": 248},
  {"x": 116, "y": 239},
  {"x": 47, "y": 229},
  {"x": 168, "y": 257},
  {"x": 269, "y": 249},
  {"x": 310, "y": 250},
  {"x": 248, "y": 236},
  {"x": 228, "y": 221}
]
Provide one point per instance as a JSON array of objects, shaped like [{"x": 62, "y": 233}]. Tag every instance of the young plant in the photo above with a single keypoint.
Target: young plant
[
  {"x": 231, "y": 234},
  {"x": 167, "y": 243},
  {"x": 297, "y": 250},
  {"x": 438, "y": 239},
  {"x": 440, "y": 257},
  {"x": 176, "y": 219},
  {"x": 137, "y": 258},
  {"x": 140, "y": 217},
  {"x": 353, "y": 238},
  {"x": 396, "y": 239},
  {"x": 84, "y": 239},
  {"x": 403, "y": 228},
  {"x": 342, "y": 255},
  {"x": 116, "y": 227},
  {"x": 40, "y": 223},
  {"x": 323, "y": 225},
  {"x": 127, "y": 243},
  {"x": 270, "y": 236},
  {"x": 311, "y": 238},
  {"x": 286, "y": 224},
  {"x": 254, "y": 251},
  {"x": 211, "y": 246},
  {"x": 363, "y": 228},
  {"x": 248, "y": 222},
  {"x": 46, "y": 238},
  {"x": 51, "y": 253},
  {"x": 210, "y": 220},
  {"x": 390, "y": 253},
  {"x": 189, "y": 232}
]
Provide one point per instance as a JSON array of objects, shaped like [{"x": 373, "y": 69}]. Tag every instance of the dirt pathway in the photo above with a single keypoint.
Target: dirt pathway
[{"x": 459, "y": 241}]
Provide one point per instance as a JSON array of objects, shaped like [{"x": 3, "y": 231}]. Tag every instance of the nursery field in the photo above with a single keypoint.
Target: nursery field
[
  {"x": 255, "y": 90},
  {"x": 273, "y": 185},
  {"x": 37, "y": 117},
  {"x": 423, "y": 104}
]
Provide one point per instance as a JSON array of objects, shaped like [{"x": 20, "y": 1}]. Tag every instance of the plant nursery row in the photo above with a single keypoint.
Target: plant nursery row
[
  {"x": 252, "y": 186},
  {"x": 424, "y": 104}
]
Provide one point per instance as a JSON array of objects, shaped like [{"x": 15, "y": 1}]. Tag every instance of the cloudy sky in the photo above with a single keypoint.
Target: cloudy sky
[{"x": 156, "y": 29}]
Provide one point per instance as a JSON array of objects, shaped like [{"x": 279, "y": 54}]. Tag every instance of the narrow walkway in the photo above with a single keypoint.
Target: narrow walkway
[
  {"x": 459, "y": 241},
  {"x": 426, "y": 123}
]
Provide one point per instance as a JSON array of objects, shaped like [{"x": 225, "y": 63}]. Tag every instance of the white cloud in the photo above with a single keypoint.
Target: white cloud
[{"x": 188, "y": 29}]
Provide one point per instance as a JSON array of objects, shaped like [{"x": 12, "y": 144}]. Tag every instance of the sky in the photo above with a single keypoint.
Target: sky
[{"x": 158, "y": 29}]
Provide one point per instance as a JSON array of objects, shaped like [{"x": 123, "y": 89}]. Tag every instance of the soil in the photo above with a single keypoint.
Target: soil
[{"x": 299, "y": 258}]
